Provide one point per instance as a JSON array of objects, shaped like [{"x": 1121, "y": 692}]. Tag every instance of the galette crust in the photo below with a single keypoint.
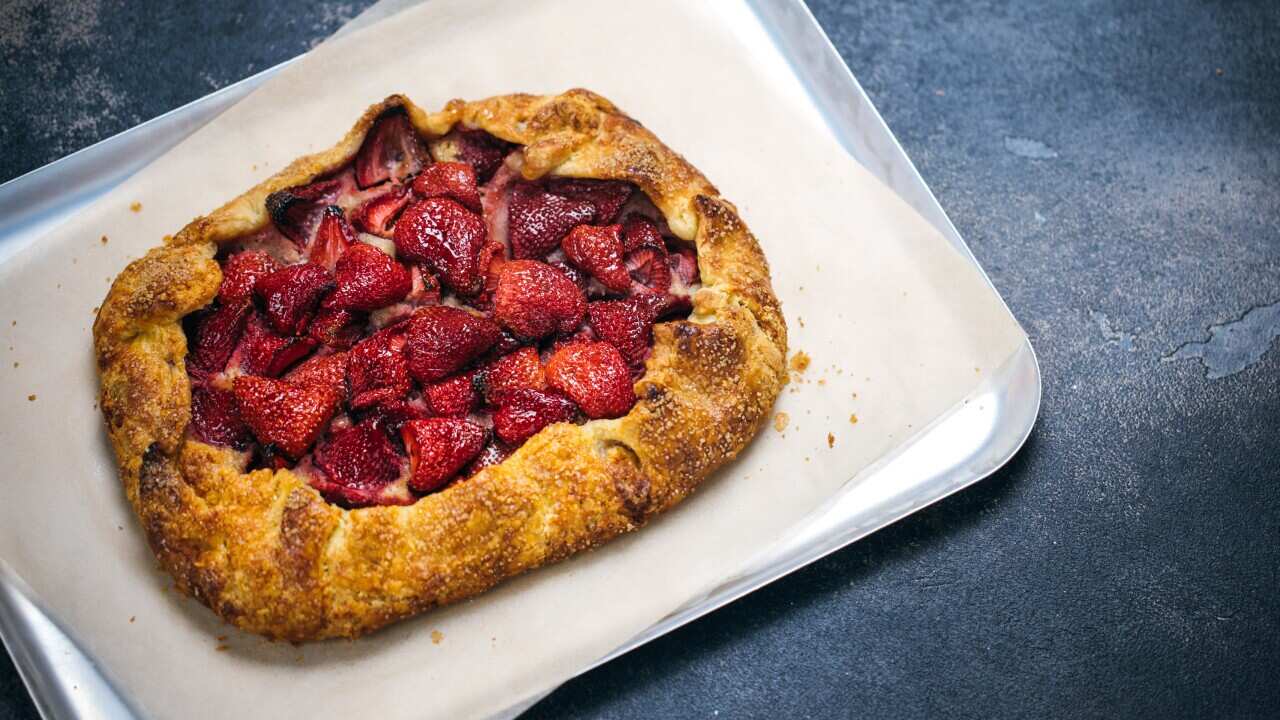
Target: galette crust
[{"x": 268, "y": 554}]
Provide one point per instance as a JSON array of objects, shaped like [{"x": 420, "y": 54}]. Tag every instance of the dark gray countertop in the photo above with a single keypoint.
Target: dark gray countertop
[{"x": 1115, "y": 166}]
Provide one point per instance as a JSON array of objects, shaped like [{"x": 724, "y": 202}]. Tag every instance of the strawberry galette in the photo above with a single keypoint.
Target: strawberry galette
[{"x": 457, "y": 346}]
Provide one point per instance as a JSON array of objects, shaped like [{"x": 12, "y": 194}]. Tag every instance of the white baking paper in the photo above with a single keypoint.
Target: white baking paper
[{"x": 899, "y": 328}]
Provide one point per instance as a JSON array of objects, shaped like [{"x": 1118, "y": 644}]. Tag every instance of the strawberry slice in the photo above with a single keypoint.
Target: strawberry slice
[
  {"x": 262, "y": 352},
  {"x": 441, "y": 339},
  {"x": 393, "y": 414},
  {"x": 296, "y": 211},
  {"x": 606, "y": 196},
  {"x": 453, "y": 397},
  {"x": 333, "y": 236},
  {"x": 598, "y": 250},
  {"x": 241, "y": 272},
  {"x": 494, "y": 452},
  {"x": 520, "y": 370},
  {"x": 215, "y": 417},
  {"x": 476, "y": 148},
  {"x": 391, "y": 151},
  {"x": 534, "y": 300},
  {"x": 376, "y": 370},
  {"x": 639, "y": 231},
  {"x": 524, "y": 412},
  {"x": 595, "y": 376},
  {"x": 286, "y": 416},
  {"x": 360, "y": 467},
  {"x": 627, "y": 324},
  {"x": 338, "y": 329},
  {"x": 537, "y": 220},
  {"x": 455, "y": 180},
  {"x": 328, "y": 372},
  {"x": 447, "y": 238},
  {"x": 290, "y": 296},
  {"x": 649, "y": 270},
  {"x": 573, "y": 273},
  {"x": 438, "y": 448},
  {"x": 217, "y": 333},
  {"x": 368, "y": 279},
  {"x": 684, "y": 266},
  {"x": 377, "y": 215}
]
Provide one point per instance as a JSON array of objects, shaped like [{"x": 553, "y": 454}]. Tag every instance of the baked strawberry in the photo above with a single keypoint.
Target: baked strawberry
[
  {"x": 241, "y": 272},
  {"x": 606, "y": 196},
  {"x": 534, "y": 300},
  {"x": 524, "y": 412},
  {"x": 296, "y": 211},
  {"x": 494, "y": 452},
  {"x": 328, "y": 372},
  {"x": 217, "y": 333},
  {"x": 519, "y": 370},
  {"x": 572, "y": 273},
  {"x": 684, "y": 266},
  {"x": 455, "y": 180},
  {"x": 333, "y": 236},
  {"x": 447, "y": 238},
  {"x": 440, "y": 340},
  {"x": 492, "y": 257},
  {"x": 391, "y": 151},
  {"x": 598, "y": 250},
  {"x": 334, "y": 328},
  {"x": 360, "y": 467},
  {"x": 537, "y": 219},
  {"x": 438, "y": 448},
  {"x": 263, "y": 352},
  {"x": 649, "y": 270},
  {"x": 288, "y": 416},
  {"x": 639, "y": 231},
  {"x": 377, "y": 371},
  {"x": 378, "y": 214},
  {"x": 453, "y": 397},
  {"x": 477, "y": 148},
  {"x": 595, "y": 376},
  {"x": 627, "y": 324},
  {"x": 215, "y": 417},
  {"x": 368, "y": 279},
  {"x": 290, "y": 296}
]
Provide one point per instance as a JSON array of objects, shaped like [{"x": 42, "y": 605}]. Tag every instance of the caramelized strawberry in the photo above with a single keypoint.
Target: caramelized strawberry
[
  {"x": 333, "y": 236},
  {"x": 649, "y": 270},
  {"x": 262, "y": 352},
  {"x": 626, "y": 324},
  {"x": 520, "y": 370},
  {"x": 391, "y": 415},
  {"x": 572, "y": 273},
  {"x": 598, "y": 250},
  {"x": 336, "y": 328},
  {"x": 447, "y": 238},
  {"x": 441, "y": 339},
  {"x": 241, "y": 272},
  {"x": 327, "y": 372},
  {"x": 534, "y": 300},
  {"x": 288, "y": 416},
  {"x": 684, "y": 266},
  {"x": 477, "y": 148},
  {"x": 537, "y": 220},
  {"x": 595, "y": 376},
  {"x": 376, "y": 370},
  {"x": 360, "y": 467},
  {"x": 494, "y": 452},
  {"x": 639, "y": 231},
  {"x": 296, "y": 211},
  {"x": 215, "y": 417},
  {"x": 391, "y": 151},
  {"x": 524, "y": 412},
  {"x": 438, "y": 448},
  {"x": 455, "y": 180},
  {"x": 606, "y": 196},
  {"x": 368, "y": 279},
  {"x": 291, "y": 294},
  {"x": 217, "y": 333},
  {"x": 378, "y": 214},
  {"x": 453, "y": 397}
]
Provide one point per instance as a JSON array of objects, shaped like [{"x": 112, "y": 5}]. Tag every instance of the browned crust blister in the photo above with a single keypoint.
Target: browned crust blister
[{"x": 268, "y": 554}]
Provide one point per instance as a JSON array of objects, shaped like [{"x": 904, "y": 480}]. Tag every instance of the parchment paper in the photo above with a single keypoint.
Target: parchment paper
[{"x": 898, "y": 325}]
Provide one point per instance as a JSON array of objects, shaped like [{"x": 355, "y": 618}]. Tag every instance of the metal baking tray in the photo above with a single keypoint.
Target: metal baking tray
[{"x": 963, "y": 446}]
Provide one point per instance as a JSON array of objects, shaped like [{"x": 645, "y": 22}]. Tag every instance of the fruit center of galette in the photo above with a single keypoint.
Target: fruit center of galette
[{"x": 417, "y": 315}]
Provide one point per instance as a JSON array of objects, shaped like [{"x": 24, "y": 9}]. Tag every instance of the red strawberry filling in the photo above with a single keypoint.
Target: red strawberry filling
[{"x": 414, "y": 317}]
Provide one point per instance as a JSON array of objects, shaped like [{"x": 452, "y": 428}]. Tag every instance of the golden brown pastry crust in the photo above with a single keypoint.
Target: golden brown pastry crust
[{"x": 268, "y": 554}]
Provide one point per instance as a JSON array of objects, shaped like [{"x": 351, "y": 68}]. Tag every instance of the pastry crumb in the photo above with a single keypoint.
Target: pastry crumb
[
  {"x": 15, "y": 364},
  {"x": 800, "y": 361},
  {"x": 800, "y": 320},
  {"x": 104, "y": 240},
  {"x": 436, "y": 637},
  {"x": 132, "y": 618},
  {"x": 831, "y": 440},
  {"x": 780, "y": 421},
  {"x": 222, "y": 647},
  {"x": 31, "y": 397},
  {"x": 222, "y": 638},
  {"x": 135, "y": 206},
  {"x": 853, "y": 419},
  {"x": 822, "y": 381}
]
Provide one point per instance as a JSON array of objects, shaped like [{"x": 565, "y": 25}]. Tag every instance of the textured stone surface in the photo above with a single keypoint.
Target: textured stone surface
[{"x": 1115, "y": 167}]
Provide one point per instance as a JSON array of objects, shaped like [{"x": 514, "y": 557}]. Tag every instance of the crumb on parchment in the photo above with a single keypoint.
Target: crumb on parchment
[
  {"x": 799, "y": 361},
  {"x": 436, "y": 637},
  {"x": 31, "y": 397},
  {"x": 104, "y": 240},
  {"x": 831, "y": 440},
  {"x": 853, "y": 419},
  {"x": 135, "y": 206},
  {"x": 780, "y": 421}
]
